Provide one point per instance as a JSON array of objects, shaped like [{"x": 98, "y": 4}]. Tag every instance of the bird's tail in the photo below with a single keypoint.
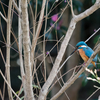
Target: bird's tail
[{"x": 93, "y": 63}]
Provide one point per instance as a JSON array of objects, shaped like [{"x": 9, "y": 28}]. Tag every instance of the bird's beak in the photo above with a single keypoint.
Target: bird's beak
[{"x": 74, "y": 50}]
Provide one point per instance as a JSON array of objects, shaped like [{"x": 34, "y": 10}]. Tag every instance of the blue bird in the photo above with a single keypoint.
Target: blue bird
[{"x": 85, "y": 52}]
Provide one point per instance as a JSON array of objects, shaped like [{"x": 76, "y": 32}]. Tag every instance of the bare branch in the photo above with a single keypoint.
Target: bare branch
[
  {"x": 89, "y": 11},
  {"x": 7, "y": 65},
  {"x": 71, "y": 5},
  {"x": 2, "y": 31},
  {"x": 34, "y": 41},
  {"x": 44, "y": 41},
  {"x": 2, "y": 56},
  {"x": 1, "y": 94},
  {"x": 9, "y": 85},
  {"x": 93, "y": 94},
  {"x": 3, "y": 8},
  {"x": 3, "y": 16},
  {"x": 16, "y": 7},
  {"x": 39, "y": 26},
  {"x": 92, "y": 34}
]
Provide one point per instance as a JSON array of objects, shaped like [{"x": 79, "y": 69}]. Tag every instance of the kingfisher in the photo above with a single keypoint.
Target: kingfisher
[{"x": 85, "y": 52}]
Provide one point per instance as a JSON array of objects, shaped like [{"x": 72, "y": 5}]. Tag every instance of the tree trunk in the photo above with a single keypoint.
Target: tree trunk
[{"x": 26, "y": 42}]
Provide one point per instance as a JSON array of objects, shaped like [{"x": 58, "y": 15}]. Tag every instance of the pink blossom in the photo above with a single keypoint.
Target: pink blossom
[
  {"x": 47, "y": 52},
  {"x": 54, "y": 17}
]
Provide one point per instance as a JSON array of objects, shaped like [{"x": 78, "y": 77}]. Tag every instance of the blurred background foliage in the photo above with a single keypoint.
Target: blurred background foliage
[{"x": 87, "y": 27}]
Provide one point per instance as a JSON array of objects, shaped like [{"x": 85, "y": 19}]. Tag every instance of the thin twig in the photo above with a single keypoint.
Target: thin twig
[
  {"x": 92, "y": 94},
  {"x": 54, "y": 7},
  {"x": 2, "y": 56},
  {"x": 15, "y": 39},
  {"x": 16, "y": 7},
  {"x": 8, "y": 8},
  {"x": 19, "y": 91},
  {"x": 4, "y": 88},
  {"x": 71, "y": 5},
  {"x": 3, "y": 16},
  {"x": 3, "y": 9},
  {"x": 9, "y": 85},
  {"x": 36, "y": 74},
  {"x": 97, "y": 87},
  {"x": 7, "y": 64},
  {"x": 44, "y": 42},
  {"x": 64, "y": 63},
  {"x": 1, "y": 94},
  {"x": 2, "y": 32},
  {"x": 5, "y": 74},
  {"x": 39, "y": 26},
  {"x": 92, "y": 35}
]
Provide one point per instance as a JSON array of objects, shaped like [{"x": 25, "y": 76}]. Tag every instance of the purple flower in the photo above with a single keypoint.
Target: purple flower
[
  {"x": 47, "y": 52},
  {"x": 54, "y": 17},
  {"x": 64, "y": 0},
  {"x": 94, "y": 30}
]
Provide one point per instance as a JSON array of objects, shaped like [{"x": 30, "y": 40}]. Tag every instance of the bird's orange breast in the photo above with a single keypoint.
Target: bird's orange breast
[{"x": 84, "y": 57}]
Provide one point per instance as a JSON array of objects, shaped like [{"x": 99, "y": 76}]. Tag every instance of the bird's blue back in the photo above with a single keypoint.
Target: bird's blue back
[{"x": 88, "y": 51}]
